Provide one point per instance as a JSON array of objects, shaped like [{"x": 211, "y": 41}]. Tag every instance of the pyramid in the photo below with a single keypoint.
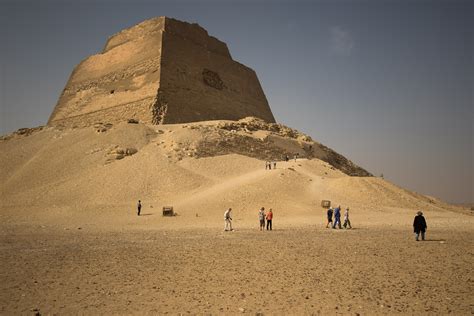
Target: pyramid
[{"x": 161, "y": 71}]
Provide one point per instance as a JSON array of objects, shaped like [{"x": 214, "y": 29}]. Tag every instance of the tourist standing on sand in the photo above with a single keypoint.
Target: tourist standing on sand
[
  {"x": 329, "y": 217},
  {"x": 274, "y": 165},
  {"x": 419, "y": 225},
  {"x": 269, "y": 219},
  {"x": 228, "y": 220},
  {"x": 266, "y": 165},
  {"x": 346, "y": 219},
  {"x": 139, "y": 207},
  {"x": 337, "y": 217},
  {"x": 261, "y": 218}
]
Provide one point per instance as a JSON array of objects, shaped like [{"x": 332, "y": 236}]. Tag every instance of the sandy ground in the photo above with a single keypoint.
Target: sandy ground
[
  {"x": 71, "y": 242},
  {"x": 290, "y": 270}
]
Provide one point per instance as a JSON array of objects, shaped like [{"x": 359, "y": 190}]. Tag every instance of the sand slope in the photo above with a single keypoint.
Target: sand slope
[
  {"x": 71, "y": 241},
  {"x": 76, "y": 168}
]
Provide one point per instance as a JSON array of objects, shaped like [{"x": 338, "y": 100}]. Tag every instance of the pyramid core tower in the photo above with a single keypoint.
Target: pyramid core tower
[{"x": 161, "y": 71}]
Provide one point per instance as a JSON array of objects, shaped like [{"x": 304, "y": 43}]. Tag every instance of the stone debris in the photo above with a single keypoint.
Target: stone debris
[
  {"x": 22, "y": 132},
  {"x": 102, "y": 128},
  {"x": 240, "y": 137},
  {"x": 118, "y": 153},
  {"x": 252, "y": 124}
]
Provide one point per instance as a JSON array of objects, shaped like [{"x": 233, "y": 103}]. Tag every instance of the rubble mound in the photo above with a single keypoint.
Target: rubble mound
[
  {"x": 251, "y": 124},
  {"x": 256, "y": 138}
]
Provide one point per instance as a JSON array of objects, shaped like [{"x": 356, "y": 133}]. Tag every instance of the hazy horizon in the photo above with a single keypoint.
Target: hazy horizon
[{"x": 387, "y": 84}]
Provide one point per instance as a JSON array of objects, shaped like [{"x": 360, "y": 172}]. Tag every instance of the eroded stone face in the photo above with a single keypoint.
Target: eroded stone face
[
  {"x": 160, "y": 71},
  {"x": 212, "y": 79}
]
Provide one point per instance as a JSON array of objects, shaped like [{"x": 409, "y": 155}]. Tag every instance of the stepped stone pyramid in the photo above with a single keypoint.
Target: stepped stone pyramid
[{"x": 161, "y": 71}]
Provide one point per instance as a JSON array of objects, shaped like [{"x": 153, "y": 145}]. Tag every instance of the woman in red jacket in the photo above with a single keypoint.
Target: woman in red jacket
[{"x": 269, "y": 219}]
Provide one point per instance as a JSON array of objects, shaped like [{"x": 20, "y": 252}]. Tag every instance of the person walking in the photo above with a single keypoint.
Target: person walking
[
  {"x": 346, "y": 219},
  {"x": 228, "y": 220},
  {"x": 261, "y": 217},
  {"x": 329, "y": 213},
  {"x": 139, "y": 207},
  {"x": 337, "y": 217},
  {"x": 419, "y": 226},
  {"x": 269, "y": 217}
]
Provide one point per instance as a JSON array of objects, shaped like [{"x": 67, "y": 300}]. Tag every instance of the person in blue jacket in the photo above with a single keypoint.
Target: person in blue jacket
[{"x": 337, "y": 217}]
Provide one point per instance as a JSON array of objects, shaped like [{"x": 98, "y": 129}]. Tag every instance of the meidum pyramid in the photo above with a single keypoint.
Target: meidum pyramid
[{"x": 161, "y": 71}]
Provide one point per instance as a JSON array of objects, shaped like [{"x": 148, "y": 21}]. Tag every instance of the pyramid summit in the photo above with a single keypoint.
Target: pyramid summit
[{"x": 161, "y": 71}]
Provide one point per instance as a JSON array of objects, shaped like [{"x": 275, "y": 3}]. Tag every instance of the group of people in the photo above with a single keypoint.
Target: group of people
[
  {"x": 268, "y": 165},
  {"x": 419, "y": 224},
  {"x": 262, "y": 216},
  {"x": 337, "y": 218},
  {"x": 295, "y": 156}
]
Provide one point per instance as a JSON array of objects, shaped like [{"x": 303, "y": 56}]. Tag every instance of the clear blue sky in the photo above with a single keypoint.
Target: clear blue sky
[{"x": 388, "y": 84}]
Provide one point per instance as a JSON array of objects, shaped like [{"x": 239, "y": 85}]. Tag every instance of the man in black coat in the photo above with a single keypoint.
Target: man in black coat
[
  {"x": 329, "y": 217},
  {"x": 419, "y": 226},
  {"x": 139, "y": 207}
]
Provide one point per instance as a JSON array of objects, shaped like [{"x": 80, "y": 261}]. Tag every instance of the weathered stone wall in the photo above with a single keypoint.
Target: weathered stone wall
[
  {"x": 114, "y": 115},
  {"x": 124, "y": 74},
  {"x": 200, "y": 84},
  {"x": 146, "y": 28},
  {"x": 172, "y": 69}
]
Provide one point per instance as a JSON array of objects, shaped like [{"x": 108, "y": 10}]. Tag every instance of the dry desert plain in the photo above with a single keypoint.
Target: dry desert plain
[{"x": 71, "y": 242}]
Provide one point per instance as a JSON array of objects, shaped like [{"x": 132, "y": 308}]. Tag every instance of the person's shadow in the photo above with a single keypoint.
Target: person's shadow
[
  {"x": 436, "y": 240},
  {"x": 146, "y": 214}
]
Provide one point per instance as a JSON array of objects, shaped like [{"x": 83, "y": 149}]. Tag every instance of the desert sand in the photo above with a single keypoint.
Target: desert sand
[{"x": 72, "y": 243}]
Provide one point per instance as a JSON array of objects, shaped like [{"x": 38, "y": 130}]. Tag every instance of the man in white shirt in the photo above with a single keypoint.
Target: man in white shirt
[
  {"x": 228, "y": 220},
  {"x": 346, "y": 219},
  {"x": 261, "y": 218}
]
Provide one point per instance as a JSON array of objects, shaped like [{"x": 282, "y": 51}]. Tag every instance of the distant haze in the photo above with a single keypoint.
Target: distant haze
[{"x": 388, "y": 84}]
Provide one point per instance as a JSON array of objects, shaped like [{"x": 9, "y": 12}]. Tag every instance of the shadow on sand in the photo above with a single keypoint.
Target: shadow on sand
[{"x": 436, "y": 240}]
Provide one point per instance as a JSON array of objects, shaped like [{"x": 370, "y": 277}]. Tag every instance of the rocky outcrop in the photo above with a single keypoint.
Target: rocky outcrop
[
  {"x": 255, "y": 138},
  {"x": 22, "y": 132},
  {"x": 118, "y": 153},
  {"x": 160, "y": 71},
  {"x": 250, "y": 124}
]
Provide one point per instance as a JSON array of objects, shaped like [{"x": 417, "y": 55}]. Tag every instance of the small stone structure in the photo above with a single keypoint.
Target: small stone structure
[
  {"x": 325, "y": 203},
  {"x": 168, "y": 211},
  {"x": 161, "y": 71}
]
